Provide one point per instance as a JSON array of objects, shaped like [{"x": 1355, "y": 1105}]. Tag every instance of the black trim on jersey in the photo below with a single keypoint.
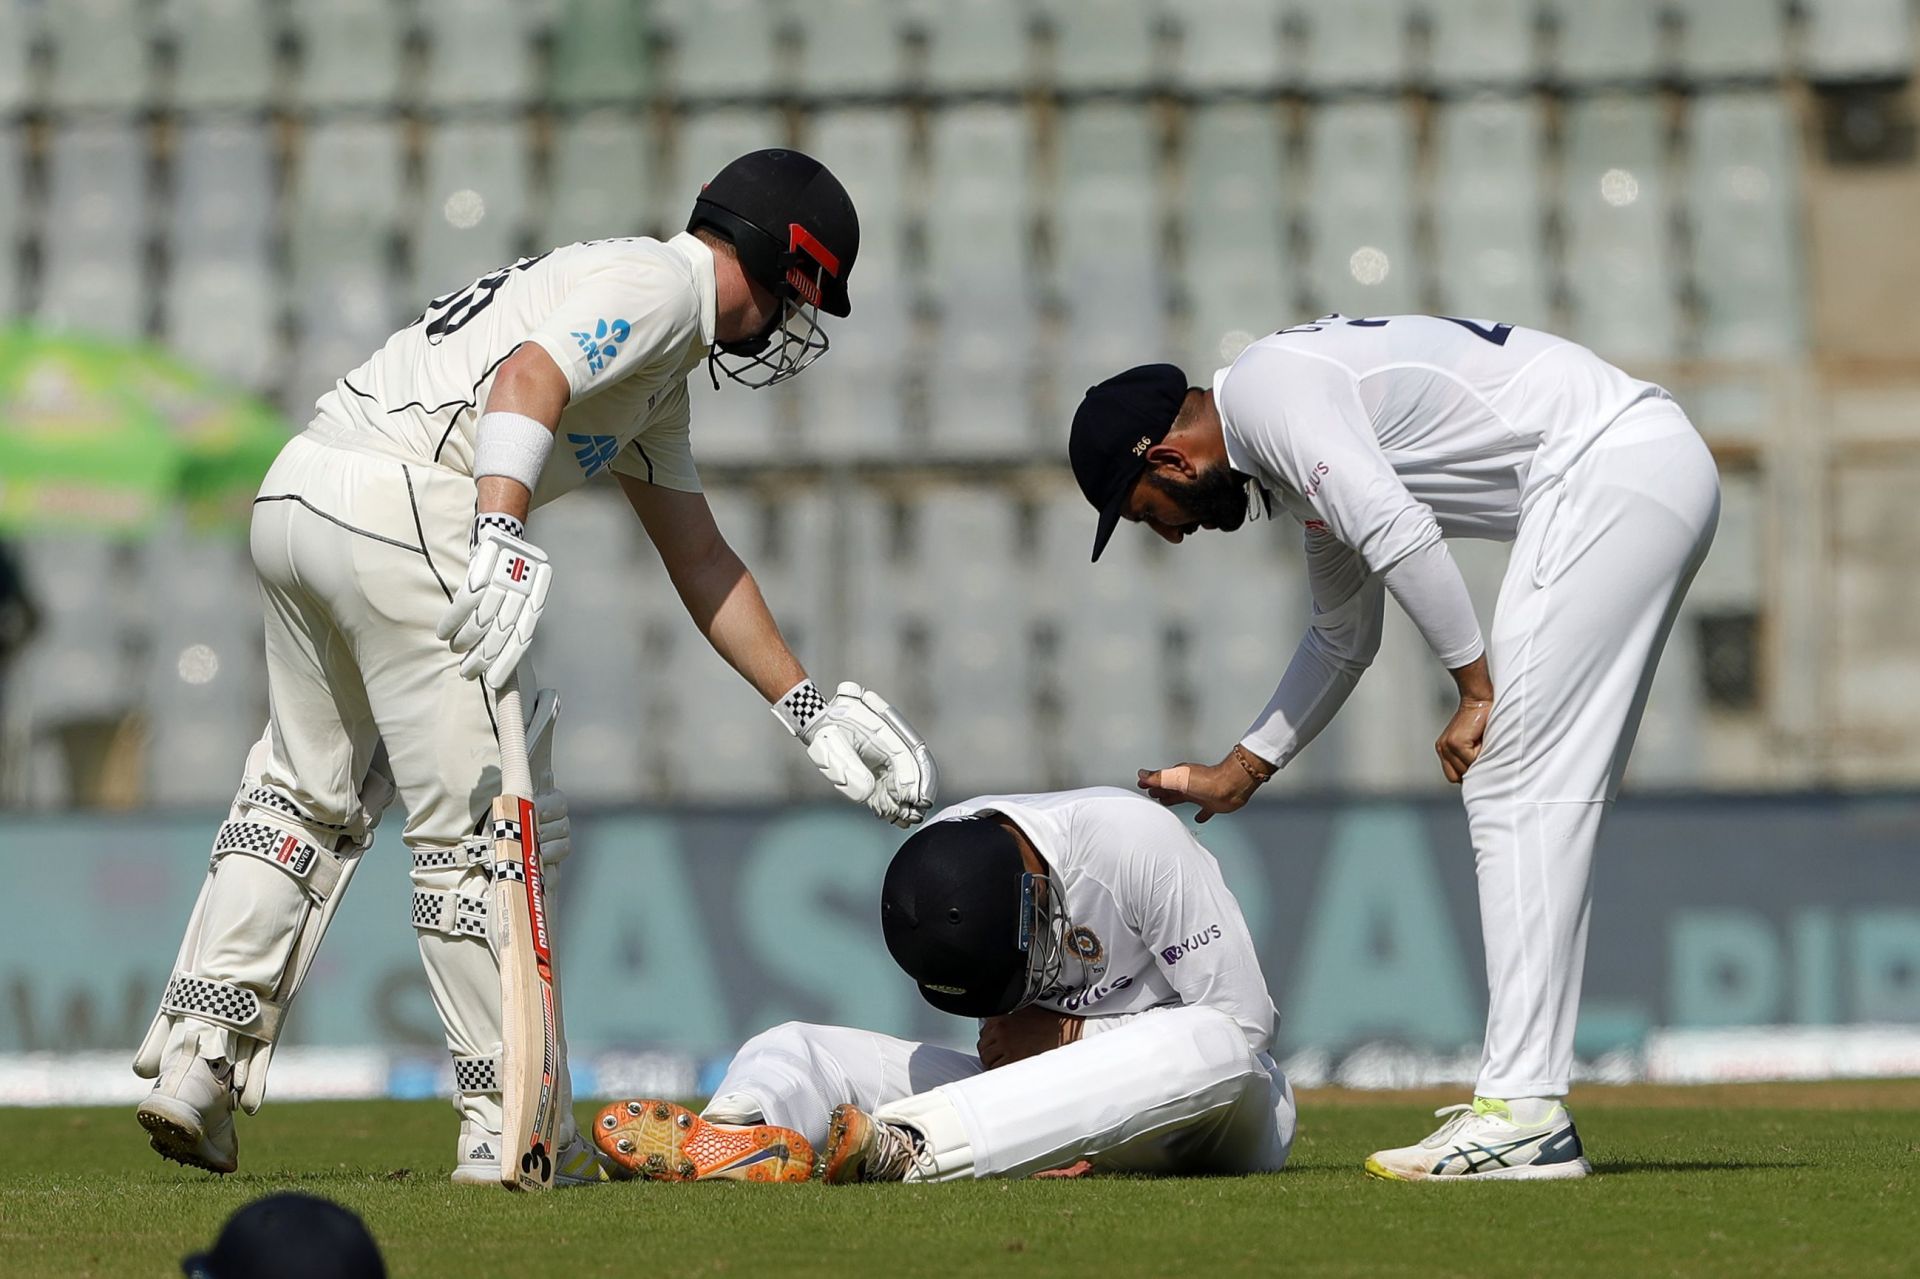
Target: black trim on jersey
[
  {"x": 644, "y": 458},
  {"x": 421, "y": 530},
  {"x": 455, "y": 405},
  {"x": 334, "y": 519}
]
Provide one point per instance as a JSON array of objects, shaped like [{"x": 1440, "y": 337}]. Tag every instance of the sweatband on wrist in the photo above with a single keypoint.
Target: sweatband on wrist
[{"x": 511, "y": 445}]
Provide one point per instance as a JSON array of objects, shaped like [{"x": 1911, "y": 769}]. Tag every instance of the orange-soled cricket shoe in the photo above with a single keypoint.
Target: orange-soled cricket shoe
[{"x": 661, "y": 1141}]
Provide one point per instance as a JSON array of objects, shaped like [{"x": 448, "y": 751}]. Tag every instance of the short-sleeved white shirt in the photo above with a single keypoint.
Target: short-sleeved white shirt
[
  {"x": 1152, "y": 922},
  {"x": 626, "y": 320}
]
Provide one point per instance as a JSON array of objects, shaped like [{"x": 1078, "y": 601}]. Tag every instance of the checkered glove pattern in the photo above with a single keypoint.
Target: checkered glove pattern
[
  {"x": 865, "y": 748},
  {"x": 490, "y": 621}
]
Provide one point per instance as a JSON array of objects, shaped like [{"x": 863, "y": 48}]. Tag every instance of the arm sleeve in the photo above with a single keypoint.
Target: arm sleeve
[
  {"x": 663, "y": 453},
  {"x": 1192, "y": 924},
  {"x": 1429, "y": 587},
  {"x": 613, "y": 321},
  {"x": 1348, "y": 607}
]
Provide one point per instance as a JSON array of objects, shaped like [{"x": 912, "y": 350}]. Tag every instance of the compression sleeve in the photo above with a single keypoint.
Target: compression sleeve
[{"x": 1429, "y": 587}]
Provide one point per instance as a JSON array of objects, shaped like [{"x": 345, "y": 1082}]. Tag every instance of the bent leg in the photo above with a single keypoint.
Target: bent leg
[
  {"x": 793, "y": 1075},
  {"x": 1176, "y": 1089}
]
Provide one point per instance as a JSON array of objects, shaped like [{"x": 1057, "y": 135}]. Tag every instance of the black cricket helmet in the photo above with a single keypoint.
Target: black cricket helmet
[
  {"x": 793, "y": 227},
  {"x": 978, "y": 933}
]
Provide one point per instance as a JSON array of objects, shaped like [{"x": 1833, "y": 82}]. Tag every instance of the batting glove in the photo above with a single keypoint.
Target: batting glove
[
  {"x": 865, "y": 748},
  {"x": 491, "y": 619},
  {"x": 549, "y": 801}
]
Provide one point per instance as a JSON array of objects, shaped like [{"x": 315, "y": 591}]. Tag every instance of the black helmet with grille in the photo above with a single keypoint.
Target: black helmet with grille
[{"x": 790, "y": 221}]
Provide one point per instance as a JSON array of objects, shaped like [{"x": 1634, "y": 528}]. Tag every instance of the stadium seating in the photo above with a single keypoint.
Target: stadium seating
[
  {"x": 222, "y": 306},
  {"x": 102, "y": 54},
  {"x": 724, "y": 48},
  {"x": 94, "y": 240},
  {"x": 1102, "y": 44},
  {"x": 1225, "y": 45},
  {"x": 1740, "y": 185},
  {"x": 1857, "y": 40},
  {"x": 602, "y": 180},
  {"x": 1594, "y": 44},
  {"x": 1473, "y": 44},
  {"x": 1357, "y": 44},
  {"x": 472, "y": 215},
  {"x": 1237, "y": 278},
  {"x": 1724, "y": 38},
  {"x": 977, "y": 45},
  {"x": 1360, "y": 217},
  {"x": 12, "y": 178},
  {"x": 1619, "y": 267},
  {"x": 224, "y": 54},
  {"x": 16, "y": 54},
  {"x": 1488, "y": 218},
  {"x": 480, "y": 53},
  {"x": 350, "y": 53},
  {"x": 600, "y": 55},
  {"x": 851, "y": 47}
]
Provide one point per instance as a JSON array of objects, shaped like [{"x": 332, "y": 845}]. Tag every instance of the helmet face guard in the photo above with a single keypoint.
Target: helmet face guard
[
  {"x": 801, "y": 276},
  {"x": 1043, "y": 925}
]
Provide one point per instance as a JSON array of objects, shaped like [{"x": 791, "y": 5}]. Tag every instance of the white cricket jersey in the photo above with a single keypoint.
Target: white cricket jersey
[
  {"x": 1151, "y": 923},
  {"x": 1391, "y": 432},
  {"x": 626, "y": 320}
]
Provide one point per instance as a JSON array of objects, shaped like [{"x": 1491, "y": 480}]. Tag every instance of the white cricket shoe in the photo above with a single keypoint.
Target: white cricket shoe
[
  {"x": 477, "y": 1162},
  {"x": 1484, "y": 1142},
  {"x": 189, "y": 1114}
]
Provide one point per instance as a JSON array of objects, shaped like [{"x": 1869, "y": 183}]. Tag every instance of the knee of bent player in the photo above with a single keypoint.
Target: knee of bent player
[
  {"x": 796, "y": 1041},
  {"x": 1205, "y": 1049}
]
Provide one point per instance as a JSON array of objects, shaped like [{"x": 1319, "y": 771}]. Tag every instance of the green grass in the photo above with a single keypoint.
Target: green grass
[{"x": 1816, "y": 1179}]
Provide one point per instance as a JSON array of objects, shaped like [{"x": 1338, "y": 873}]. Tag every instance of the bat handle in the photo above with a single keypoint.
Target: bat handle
[{"x": 516, "y": 774}]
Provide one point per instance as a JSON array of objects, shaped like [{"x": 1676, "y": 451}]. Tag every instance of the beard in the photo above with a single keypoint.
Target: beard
[{"x": 1214, "y": 498}]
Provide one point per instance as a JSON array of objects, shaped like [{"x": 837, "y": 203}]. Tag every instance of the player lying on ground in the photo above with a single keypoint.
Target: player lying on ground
[
  {"x": 1126, "y": 1022},
  {"x": 1384, "y": 436},
  {"x": 393, "y": 562}
]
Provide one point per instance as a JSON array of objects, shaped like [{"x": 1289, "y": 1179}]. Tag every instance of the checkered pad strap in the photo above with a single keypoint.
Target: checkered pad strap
[
  {"x": 224, "y": 1004},
  {"x": 475, "y": 851},
  {"x": 494, "y": 520},
  {"x": 476, "y": 1074},
  {"x": 262, "y": 797},
  {"x": 441, "y": 910},
  {"x": 313, "y": 867},
  {"x": 800, "y": 708}
]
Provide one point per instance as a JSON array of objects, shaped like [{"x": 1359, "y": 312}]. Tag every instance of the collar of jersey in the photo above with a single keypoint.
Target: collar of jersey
[
  {"x": 700, "y": 258},
  {"x": 1237, "y": 456}
]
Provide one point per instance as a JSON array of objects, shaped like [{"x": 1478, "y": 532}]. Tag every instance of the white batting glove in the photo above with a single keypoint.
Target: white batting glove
[
  {"x": 492, "y": 616},
  {"x": 549, "y": 801},
  {"x": 865, "y": 748}
]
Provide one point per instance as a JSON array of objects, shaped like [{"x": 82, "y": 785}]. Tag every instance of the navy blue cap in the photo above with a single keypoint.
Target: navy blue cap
[
  {"x": 1115, "y": 425},
  {"x": 290, "y": 1236}
]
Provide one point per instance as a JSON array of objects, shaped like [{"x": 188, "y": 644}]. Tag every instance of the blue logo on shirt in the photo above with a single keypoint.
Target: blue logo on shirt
[
  {"x": 593, "y": 452},
  {"x": 603, "y": 344}
]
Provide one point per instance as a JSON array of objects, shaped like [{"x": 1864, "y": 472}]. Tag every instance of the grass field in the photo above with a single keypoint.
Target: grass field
[{"x": 1767, "y": 1179}]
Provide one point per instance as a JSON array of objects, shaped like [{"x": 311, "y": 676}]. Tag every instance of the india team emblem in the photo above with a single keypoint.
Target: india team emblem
[{"x": 1086, "y": 945}]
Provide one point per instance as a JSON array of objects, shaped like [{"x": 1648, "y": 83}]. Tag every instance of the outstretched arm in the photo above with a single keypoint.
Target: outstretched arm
[{"x": 716, "y": 587}]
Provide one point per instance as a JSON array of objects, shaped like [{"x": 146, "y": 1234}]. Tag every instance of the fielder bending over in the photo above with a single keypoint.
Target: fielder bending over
[
  {"x": 1383, "y": 436},
  {"x": 1126, "y": 1023},
  {"x": 400, "y": 590}
]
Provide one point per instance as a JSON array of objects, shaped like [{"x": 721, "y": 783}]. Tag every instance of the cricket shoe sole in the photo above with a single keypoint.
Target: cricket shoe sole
[
  {"x": 1520, "y": 1172},
  {"x": 662, "y": 1141},
  {"x": 180, "y": 1133}
]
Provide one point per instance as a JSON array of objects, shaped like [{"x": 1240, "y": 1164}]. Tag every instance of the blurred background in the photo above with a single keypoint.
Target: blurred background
[{"x": 210, "y": 209}]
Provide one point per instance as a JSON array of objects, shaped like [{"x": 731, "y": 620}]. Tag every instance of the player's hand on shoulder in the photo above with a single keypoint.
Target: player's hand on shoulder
[
  {"x": 865, "y": 748},
  {"x": 495, "y": 608}
]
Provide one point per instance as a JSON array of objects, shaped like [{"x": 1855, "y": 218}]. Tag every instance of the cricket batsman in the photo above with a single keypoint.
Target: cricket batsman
[
  {"x": 1125, "y": 1022},
  {"x": 402, "y": 589},
  {"x": 1384, "y": 436}
]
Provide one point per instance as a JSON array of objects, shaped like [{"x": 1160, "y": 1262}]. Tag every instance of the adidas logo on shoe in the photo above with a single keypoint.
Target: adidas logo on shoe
[{"x": 482, "y": 1151}]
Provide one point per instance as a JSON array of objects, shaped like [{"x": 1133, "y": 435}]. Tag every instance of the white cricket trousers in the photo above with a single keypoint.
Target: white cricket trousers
[
  {"x": 1598, "y": 570},
  {"x": 1169, "y": 1090},
  {"x": 357, "y": 551}
]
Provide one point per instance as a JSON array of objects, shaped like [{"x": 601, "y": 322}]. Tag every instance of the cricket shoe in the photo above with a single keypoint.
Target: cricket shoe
[
  {"x": 659, "y": 1141},
  {"x": 477, "y": 1163},
  {"x": 862, "y": 1148},
  {"x": 1484, "y": 1142},
  {"x": 189, "y": 1115}
]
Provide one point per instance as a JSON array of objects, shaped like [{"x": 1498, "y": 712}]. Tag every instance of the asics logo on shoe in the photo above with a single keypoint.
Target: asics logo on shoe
[{"x": 1557, "y": 1147}]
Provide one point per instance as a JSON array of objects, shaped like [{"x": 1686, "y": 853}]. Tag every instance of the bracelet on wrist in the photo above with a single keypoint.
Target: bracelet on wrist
[{"x": 1258, "y": 769}]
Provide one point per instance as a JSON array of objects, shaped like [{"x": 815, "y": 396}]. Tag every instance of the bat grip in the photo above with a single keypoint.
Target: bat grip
[{"x": 516, "y": 774}]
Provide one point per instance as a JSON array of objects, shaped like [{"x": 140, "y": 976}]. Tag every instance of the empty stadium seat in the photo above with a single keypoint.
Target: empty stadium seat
[
  {"x": 1857, "y": 40},
  {"x": 1359, "y": 212},
  {"x": 12, "y": 178},
  {"x": 224, "y": 54},
  {"x": 1356, "y": 44},
  {"x": 1477, "y": 43},
  {"x": 472, "y": 216},
  {"x": 480, "y": 53},
  {"x": 724, "y": 48},
  {"x": 1238, "y": 281},
  {"x": 1489, "y": 223},
  {"x": 223, "y": 191},
  {"x": 1618, "y": 41},
  {"x": 1226, "y": 45},
  {"x": 1103, "y": 44},
  {"x": 223, "y": 316},
  {"x": 351, "y": 53},
  {"x": 93, "y": 236},
  {"x": 979, "y": 277},
  {"x": 851, "y": 47},
  {"x": 1731, "y": 38},
  {"x": 600, "y": 53},
  {"x": 16, "y": 57},
  {"x": 79, "y": 665},
  {"x": 1742, "y": 187},
  {"x": 601, "y": 180},
  {"x": 977, "y": 46},
  {"x": 102, "y": 54},
  {"x": 1621, "y": 281},
  {"x": 733, "y": 424}
]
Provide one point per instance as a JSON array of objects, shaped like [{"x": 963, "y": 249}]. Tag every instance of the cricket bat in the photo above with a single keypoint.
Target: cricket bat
[{"x": 529, "y": 1019}]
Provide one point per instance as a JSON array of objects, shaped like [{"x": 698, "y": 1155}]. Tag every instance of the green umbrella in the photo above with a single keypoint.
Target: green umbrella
[{"x": 107, "y": 437}]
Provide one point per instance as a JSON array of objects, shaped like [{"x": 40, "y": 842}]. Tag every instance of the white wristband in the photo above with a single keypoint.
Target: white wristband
[{"x": 511, "y": 445}]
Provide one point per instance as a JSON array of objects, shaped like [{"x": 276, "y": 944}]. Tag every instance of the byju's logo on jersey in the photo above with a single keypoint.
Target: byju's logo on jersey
[
  {"x": 603, "y": 344},
  {"x": 593, "y": 452}
]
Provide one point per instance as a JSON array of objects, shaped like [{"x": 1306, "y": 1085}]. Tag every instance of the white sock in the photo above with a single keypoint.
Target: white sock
[{"x": 1527, "y": 1111}]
